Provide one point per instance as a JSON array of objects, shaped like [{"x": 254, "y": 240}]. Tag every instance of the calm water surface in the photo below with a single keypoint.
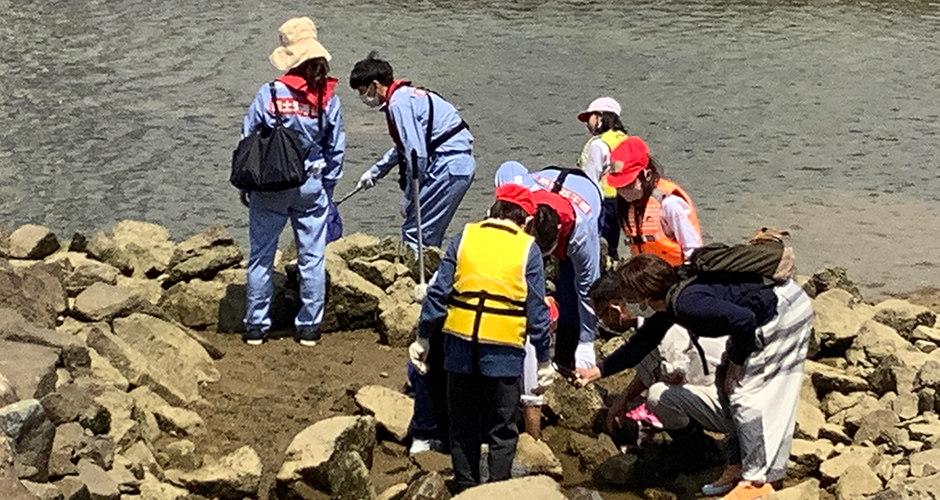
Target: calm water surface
[{"x": 820, "y": 116}]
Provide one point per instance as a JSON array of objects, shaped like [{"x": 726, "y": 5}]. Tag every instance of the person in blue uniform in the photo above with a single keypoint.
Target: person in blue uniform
[
  {"x": 488, "y": 300},
  {"x": 306, "y": 102},
  {"x": 577, "y": 200},
  {"x": 438, "y": 145}
]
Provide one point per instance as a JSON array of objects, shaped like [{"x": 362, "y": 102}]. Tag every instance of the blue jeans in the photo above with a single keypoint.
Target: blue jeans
[
  {"x": 268, "y": 212},
  {"x": 439, "y": 198}
]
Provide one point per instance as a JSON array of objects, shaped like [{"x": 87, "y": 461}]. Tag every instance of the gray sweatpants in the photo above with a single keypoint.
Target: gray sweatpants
[
  {"x": 676, "y": 406},
  {"x": 762, "y": 408}
]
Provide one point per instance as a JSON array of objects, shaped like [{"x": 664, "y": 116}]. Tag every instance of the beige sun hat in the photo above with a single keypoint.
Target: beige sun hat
[{"x": 298, "y": 44}]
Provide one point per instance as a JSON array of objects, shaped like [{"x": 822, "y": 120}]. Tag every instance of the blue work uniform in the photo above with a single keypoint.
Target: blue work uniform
[
  {"x": 324, "y": 140},
  {"x": 581, "y": 266},
  {"x": 444, "y": 174}
]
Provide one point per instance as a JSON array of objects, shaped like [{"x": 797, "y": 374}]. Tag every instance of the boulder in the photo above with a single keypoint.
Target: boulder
[
  {"x": 233, "y": 477},
  {"x": 827, "y": 379},
  {"x": 829, "y": 279},
  {"x": 179, "y": 421},
  {"x": 392, "y": 409},
  {"x": 136, "y": 248},
  {"x": 7, "y": 464},
  {"x": 925, "y": 428},
  {"x": 195, "y": 303},
  {"x": 8, "y": 394},
  {"x": 149, "y": 290},
  {"x": 877, "y": 427},
  {"x": 591, "y": 452},
  {"x": 124, "y": 428},
  {"x": 126, "y": 480},
  {"x": 332, "y": 455},
  {"x": 806, "y": 456},
  {"x": 832, "y": 469},
  {"x": 124, "y": 358},
  {"x": 72, "y": 349},
  {"x": 834, "y": 433},
  {"x": 204, "y": 255},
  {"x": 836, "y": 324},
  {"x": 926, "y": 333},
  {"x": 351, "y": 301},
  {"x": 152, "y": 488},
  {"x": 858, "y": 481},
  {"x": 397, "y": 324},
  {"x": 393, "y": 492},
  {"x": 427, "y": 486},
  {"x": 69, "y": 439},
  {"x": 99, "y": 450},
  {"x": 807, "y": 490},
  {"x": 925, "y": 463},
  {"x": 925, "y": 346},
  {"x": 13, "y": 489},
  {"x": 577, "y": 409},
  {"x": 534, "y": 458},
  {"x": 101, "y": 302},
  {"x": 928, "y": 376},
  {"x": 82, "y": 272},
  {"x": 73, "y": 404},
  {"x": 875, "y": 341},
  {"x": 852, "y": 417},
  {"x": 182, "y": 454},
  {"x": 99, "y": 483},
  {"x": 895, "y": 374},
  {"x": 171, "y": 355},
  {"x": 525, "y": 488},
  {"x": 43, "y": 491},
  {"x": 381, "y": 273},
  {"x": 72, "y": 488},
  {"x": 809, "y": 420},
  {"x": 35, "y": 292},
  {"x": 353, "y": 246},
  {"x": 30, "y": 369},
  {"x": 103, "y": 370},
  {"x": 903, "y": 316},
  {"x": 402, "y": 290},
  {"x": 32, "y": 242}
]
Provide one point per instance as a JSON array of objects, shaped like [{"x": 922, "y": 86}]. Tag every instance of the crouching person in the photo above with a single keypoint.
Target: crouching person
[
  {"x": 759, "y": 380},
  {"x": 487, "y": 300}
]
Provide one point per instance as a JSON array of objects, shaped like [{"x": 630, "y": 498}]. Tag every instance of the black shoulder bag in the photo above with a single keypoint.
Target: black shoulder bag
[{"x": 270, "y": 159}]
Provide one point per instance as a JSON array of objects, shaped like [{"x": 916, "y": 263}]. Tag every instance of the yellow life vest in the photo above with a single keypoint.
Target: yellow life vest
[
  {"x": 488, "y": 304},
  {"x": 612, "y": 138}
]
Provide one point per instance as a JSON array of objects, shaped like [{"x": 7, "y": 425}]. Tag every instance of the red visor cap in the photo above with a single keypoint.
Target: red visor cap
[
  {"x": 516, "y": 194},
  {"x": 627, "y": 161}
]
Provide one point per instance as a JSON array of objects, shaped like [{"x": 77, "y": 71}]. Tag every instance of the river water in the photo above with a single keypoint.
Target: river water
[{"x": 820, "y": 116}]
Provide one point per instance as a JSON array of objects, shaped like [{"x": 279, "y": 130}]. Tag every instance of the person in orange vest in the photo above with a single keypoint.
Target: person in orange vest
[
  {"x": 602, "y": 119},
  {"x": 656, "y": 215}
]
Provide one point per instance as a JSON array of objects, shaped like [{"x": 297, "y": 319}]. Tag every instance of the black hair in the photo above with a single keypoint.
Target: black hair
[
  {"x": 545, "y": 227},
  {"x": 609, "y": 121},
  {"x": 646, "y": 276},
  {"x": 316, "y": 72},
  {"x": 369, "y": 70},
  {"x": 508, "y": 210},
  {"x": 649, "y": 177},
  {"x": 606, "y": 289}
]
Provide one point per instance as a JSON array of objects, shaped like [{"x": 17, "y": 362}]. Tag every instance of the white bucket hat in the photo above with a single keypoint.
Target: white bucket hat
[
  {"x": 600, "y": 105},
  {"x": 298, "y": 44}
]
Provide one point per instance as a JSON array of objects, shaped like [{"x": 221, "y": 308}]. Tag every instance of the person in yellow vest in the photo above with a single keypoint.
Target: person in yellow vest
[
  {"x": 602, "y": 119},
  {"x": 656, "y": 215},
  {"x": 487, "y": 300}
]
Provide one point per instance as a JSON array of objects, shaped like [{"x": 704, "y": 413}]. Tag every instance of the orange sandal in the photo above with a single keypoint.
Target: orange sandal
[{"x": 746, "y": 490}]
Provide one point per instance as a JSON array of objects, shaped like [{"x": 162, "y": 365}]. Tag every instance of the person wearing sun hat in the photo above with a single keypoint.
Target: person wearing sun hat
[
  {"x": 305, "y": 101},
  {"x": 602, "y": 119},
  {"x": 656, "y": 215},
  {"x": 488, "y": 300}
]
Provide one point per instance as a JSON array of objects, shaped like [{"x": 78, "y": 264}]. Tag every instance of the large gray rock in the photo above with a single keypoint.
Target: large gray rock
[
  {"x": 204, "y": 255},
  {"x": 152, "y": 488},
  {"x": 35, "y": 292},
  {"x": 99, "y": 483},
  {"x": 166, "y": 345},
  {"x": 829, "y": 279},
  {"x": 591, "y": 452},
  {"x": 72, "y": 349},
  {"x": 877, "y": 427},
  {"x": 827, "y": 379},
  {"x": 13, "y": 489},
  {"x": 101, "y": 302},
  {"x": 836, "y": 324},
  {"x": 618, "y": 470},
  {"x": 82, "y": 272},
  {"x": 392, "y": 409},
  {"x": 526, "y": 488},
  {"x": 807, "y": 490},
  {"x": 577, "y": 409},
  {"x": 903, "y": 316},
  {"x": 136, "y": 248},
  {"x": 72, "y": 488},
  {"x": 44, "y": 491},
  {"x": 809, "y": 420},
  {"x": 151, "y": 291},
  {"x": 428, "y": 486},
  {"x": 354, "y": 246},
  {"x": 806, "y": 456},
  {"x": 30, "y": 369},
  {"x": 195, "y": 303},
  {"x": 397, "y": 324},
  {"x": 32, "y": 242},
  {"x": 103, "y": 370},
  {"x": 534, "y": 458},
  {"x": 233, "y": 477},
  {"x": 69, "y": 439},
  {"x": 858, "y": 481},
  {"x": 831, "y": 470},
  {"x": 875, "y": 341},
  {"x": 71, "y": 403},
  {"x": 124, "y": 358},
  {"x": 332, "y": 455},
  {"x": 179, "y": 421},
  {"x": 124, "y": 427},
  {"x": 31, "y": 434},
  {"x": 351, "y": 301},
  {"x": 381, "y": 273}
]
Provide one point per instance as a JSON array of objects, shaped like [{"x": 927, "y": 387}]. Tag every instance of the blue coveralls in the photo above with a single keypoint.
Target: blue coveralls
[
  {"x": 445, "y": 181},
  {"x": 581, "y": 267},
  {"x": 305, "y": 206}
]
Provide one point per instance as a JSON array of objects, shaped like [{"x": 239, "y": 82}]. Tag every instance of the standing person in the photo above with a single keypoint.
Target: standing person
[
  {"x": 488, "y": 299},
  {"x": 602, "y": 119},
  {"x": 759, "y": 381},
  {"x": 657, "y": 216},
  {"x": 576, "y": 201},
  {"x": 304, "y": 100},
  {"x": 430, "y": 139}
]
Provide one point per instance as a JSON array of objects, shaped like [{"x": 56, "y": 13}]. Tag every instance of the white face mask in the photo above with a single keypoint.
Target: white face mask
[{"x": 370, "y": 100}]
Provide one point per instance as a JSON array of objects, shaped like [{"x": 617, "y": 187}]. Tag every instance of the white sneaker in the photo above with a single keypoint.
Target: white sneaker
[
  {"x": 308, "y": 343},
  {"x": 420, "y": 445}
]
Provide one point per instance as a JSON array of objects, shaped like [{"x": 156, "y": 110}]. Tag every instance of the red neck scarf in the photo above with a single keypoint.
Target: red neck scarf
[{"x": 299, "y": 84}]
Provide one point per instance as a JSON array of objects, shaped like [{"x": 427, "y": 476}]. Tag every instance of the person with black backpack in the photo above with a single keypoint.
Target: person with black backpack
[
  {"x": 290, "y": 159},
  {"x": 768, "y": 324}
]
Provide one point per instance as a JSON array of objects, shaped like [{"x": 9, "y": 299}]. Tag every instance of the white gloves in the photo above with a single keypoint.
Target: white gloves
[
  {"x": 420, "y": 293},
  {"x": 584, "y": 356},
  {"x": 546, "y": 375},
  {"x": 418, "y": 353},
  {"x": 366, "y": 180}
]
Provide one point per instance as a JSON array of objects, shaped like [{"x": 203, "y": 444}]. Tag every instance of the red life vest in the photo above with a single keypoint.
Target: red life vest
[
  {"x": 566, "y": 217},
  {"x": 392, "y": 131},
  {"x": 310, "y": 101}
]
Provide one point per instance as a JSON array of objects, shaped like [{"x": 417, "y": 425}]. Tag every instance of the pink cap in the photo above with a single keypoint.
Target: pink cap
[{"x": 600, "y": 105}]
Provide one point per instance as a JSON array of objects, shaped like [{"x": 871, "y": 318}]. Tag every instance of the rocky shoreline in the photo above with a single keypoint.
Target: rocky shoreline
[{"x": 108, "y": 345}]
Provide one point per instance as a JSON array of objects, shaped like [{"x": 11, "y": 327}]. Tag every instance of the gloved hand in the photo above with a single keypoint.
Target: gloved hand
[
  {"x": 420, "y": 293},
  {"x": 546, "y": 375},
  {"x": 366, "y": 180},
  {"x": 584, "y": 356},
  {"x": 418, "y": 353}
]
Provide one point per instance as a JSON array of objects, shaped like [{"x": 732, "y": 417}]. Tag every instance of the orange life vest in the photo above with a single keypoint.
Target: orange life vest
[{"x": 652, "y": 239}]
